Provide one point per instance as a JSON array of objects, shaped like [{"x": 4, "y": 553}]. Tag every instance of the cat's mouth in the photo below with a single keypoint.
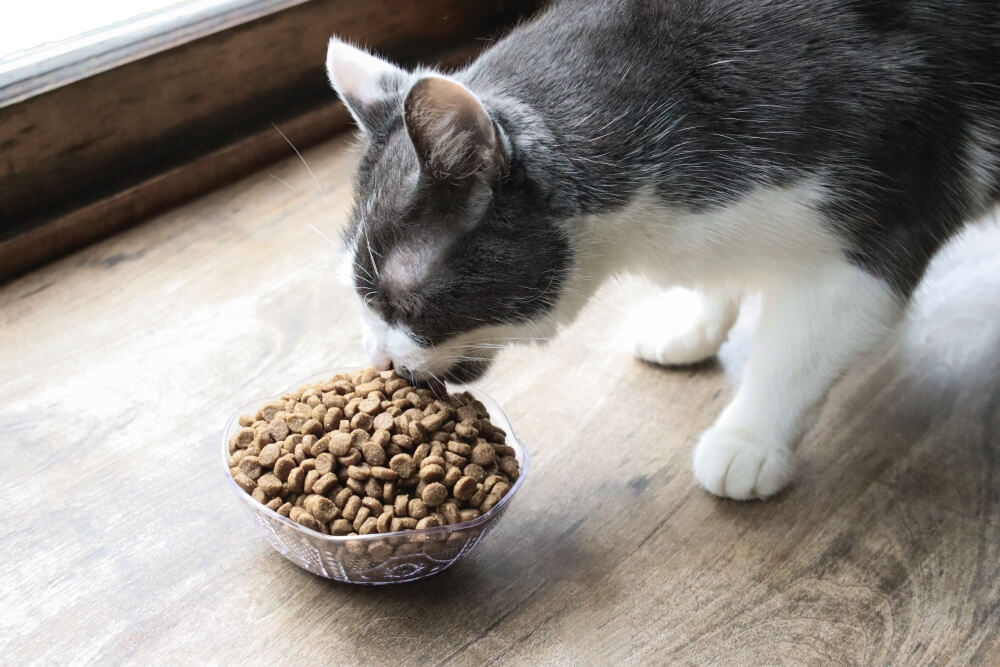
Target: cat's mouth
[{"x": 461, "y": 372}]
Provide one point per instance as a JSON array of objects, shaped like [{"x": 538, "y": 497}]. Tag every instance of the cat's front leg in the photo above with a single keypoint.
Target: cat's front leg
[
  {"x": 811, "y": 328},
  {"x": 680, "y": 326}
]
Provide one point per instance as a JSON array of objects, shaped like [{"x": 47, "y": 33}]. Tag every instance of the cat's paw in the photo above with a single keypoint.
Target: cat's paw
[
  {"x": 681, "y": 327},
  {"x": 733, "y": 464}
]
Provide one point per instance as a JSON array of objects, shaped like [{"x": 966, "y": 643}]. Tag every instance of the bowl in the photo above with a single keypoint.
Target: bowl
[{"x": 383, "y": 558}]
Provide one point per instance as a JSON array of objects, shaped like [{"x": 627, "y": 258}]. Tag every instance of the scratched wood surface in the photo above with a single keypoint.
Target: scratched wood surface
[{"x": 120, "y": 541}]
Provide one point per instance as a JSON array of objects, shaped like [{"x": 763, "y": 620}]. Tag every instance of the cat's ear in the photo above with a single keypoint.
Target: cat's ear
[
  {"x": 454, "y": 136},
  {"x": 362, "y": 80}
]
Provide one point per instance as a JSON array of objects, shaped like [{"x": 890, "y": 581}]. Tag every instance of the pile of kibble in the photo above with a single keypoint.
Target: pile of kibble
[{"x": 370, "y": 453}]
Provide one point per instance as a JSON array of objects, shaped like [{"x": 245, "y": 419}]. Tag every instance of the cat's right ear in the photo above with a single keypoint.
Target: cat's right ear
[{"x": 362, "y": 80}]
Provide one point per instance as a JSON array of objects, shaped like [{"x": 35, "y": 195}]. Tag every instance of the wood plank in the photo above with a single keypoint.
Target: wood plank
[{"x": 121, "y": 541}]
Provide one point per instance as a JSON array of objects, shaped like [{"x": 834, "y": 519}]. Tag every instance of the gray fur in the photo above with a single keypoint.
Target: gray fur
[{"x": 699, "y": 101}]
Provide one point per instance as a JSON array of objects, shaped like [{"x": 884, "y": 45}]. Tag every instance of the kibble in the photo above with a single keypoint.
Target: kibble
[{"x": 369, "y": 453}]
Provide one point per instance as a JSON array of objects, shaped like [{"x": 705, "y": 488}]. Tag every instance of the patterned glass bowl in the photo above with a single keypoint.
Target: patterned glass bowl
[{"x": 385, "y": 558}]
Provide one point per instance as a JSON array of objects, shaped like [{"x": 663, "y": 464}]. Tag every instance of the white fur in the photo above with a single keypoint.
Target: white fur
[
  {"x": 819, "y": 312},
  {"x": 682, "y": 326},
  {"x": 812, "y": 326}
]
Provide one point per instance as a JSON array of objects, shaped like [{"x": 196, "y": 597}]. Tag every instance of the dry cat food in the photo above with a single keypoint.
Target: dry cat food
[{"x": 370, "y": 453}]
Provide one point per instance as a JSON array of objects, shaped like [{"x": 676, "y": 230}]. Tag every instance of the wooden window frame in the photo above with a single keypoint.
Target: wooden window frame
[{"x": 89, "y": 147}]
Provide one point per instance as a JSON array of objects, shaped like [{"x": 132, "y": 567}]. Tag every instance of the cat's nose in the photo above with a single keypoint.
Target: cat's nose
[{"x": 380, "y": 362}]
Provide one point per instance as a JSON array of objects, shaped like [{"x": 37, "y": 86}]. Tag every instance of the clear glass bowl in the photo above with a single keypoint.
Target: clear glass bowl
[{"x": 385, "y": 558}]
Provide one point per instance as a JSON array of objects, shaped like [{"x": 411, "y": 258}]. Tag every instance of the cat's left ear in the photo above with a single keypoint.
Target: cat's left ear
[
  {"x": 454, "y": 136},
  {"x": 362, "y": 81}
]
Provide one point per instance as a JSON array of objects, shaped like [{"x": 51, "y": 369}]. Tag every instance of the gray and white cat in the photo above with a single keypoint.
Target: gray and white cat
[{"x": 816, "y": 152}]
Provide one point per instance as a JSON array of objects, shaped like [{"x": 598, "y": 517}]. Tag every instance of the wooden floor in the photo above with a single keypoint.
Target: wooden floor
[{"x": 121, "y": 542}]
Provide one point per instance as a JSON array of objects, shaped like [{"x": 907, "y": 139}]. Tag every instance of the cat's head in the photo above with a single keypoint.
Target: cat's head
[{"x": 449, "y": 247}]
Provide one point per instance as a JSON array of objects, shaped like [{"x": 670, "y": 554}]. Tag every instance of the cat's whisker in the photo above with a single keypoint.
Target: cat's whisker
[
  {"x": 324, "y": 236},
  {"x": 304, "y": 163},
  {"x": 285, "y": 183}
]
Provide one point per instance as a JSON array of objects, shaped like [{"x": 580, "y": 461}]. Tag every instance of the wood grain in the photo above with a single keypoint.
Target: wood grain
[{"x": 121, "y": 543}]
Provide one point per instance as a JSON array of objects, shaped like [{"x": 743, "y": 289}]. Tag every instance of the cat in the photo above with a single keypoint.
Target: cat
[{"x": 817, "y": 153}]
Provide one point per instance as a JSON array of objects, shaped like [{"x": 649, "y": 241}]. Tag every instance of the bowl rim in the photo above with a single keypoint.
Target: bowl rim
[{"x": 492, "y": 405}]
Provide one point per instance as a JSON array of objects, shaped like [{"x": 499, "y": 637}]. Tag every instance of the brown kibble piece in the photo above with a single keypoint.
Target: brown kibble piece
[
  {"x": 431, "y": 473},
  {"x": 450, "y": 511},
  {"x": 373, "y": 488},
  {"x": 269, "y": 455},
  {"x": 243, "y": 481},
  {"x": 307, "y": 520},
  {"x": 383, "y": 421},
  {"x": 243, "y": 439},
  {"x": 340, "y": 527},
  {"x": 283, "y": 466},
  {"x": 361, "y": 517},
  {"x": 340, "y": 500},
  {"x": 250, "y": 466},
  {"x": 465, "y": 488},
  {"x": 483, "y": 454},
  {"x": 466, "y": 430},
  {"x": 311, "y": 477},
  {"x": 320, "y": 507},
  {"x": 468, "y": 514},
  {"x": 324, "y": 463},
  {"x": 278, "y": 428},
  {"x": 268, "y": 412},
  {"x": 402, "y": 465},
  {"x": 384, "y": 522},
  {"x": 451, "y": 475},
  {"x": 475, "y": 471},
  {"x": 373, "y": 504},
  {"x": 434, "y": 422},
  {"x": 351, "y": 508},
  {"x": 373, "y": 453},
  {"x": 369, "y": 406},
  {"x": 359, "y": 472},
  {"x": 383, "y": 473},
  {"x": 269, "y": 484},
  {"x": 403, "y": 523},
  {"x": 312, "y": 427},
  {"x": 434, "y": 494},
  {"x": 369, "y": 526},
  {"x": 325, "y": 484},
  {"x": 366, "y": 388},
  {"x": 352, "y": 459},
  {"x": 460, "y": 448},
  {"x": 478, "y": 497},
  {"x": 362, "y": 421},
  {"x": 509, "y": 467},
  {"x": 428, "y": 522},
  {"x": 417, "y": 509}
]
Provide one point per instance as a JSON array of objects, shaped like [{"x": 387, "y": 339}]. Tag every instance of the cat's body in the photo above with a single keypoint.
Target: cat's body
[{"x": 816, "y": 152}]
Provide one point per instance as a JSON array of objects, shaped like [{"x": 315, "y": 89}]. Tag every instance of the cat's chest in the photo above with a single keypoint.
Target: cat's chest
[{"x": 769, "y": 232}]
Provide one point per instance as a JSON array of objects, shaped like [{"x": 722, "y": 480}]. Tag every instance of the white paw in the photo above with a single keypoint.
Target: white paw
[
  {"x": 681, "y": 327},
  {"x": 732, "y": 464}
]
